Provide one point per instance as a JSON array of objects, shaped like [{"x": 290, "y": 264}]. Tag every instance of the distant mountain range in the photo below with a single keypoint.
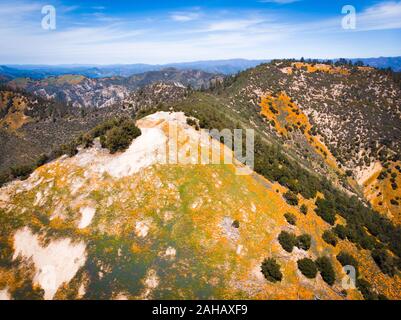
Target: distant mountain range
[{"x": 226, "y": 67}]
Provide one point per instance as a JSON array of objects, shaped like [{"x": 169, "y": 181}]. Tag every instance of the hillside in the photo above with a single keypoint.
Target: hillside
[
  {"x": 80, "y": 91},
  {"x": 169, "y": 235},
  {"x": 31, "y": 126},
  {"x": 343, "y": 120}
]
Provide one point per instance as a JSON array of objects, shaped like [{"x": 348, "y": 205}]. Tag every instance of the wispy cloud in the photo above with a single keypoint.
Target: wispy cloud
[
  {"x": 184, "y": 17},
  {"x": 381, "y": 16}
]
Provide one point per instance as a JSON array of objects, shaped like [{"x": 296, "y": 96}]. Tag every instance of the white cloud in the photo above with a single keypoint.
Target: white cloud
[
  {"x": 185, "y": 16},
  {"x": 382, "y": 16}
]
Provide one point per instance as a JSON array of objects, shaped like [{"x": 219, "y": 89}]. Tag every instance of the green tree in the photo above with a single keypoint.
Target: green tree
[
  {"x": 287, "y": 240},
  {"x": 307, "y": 267},
  {"x": 341, "y": 231},
  {"x": 384, "y": 261},
  {"x": 291, "y": 219},
  {"x": 304, "y": 242},
  {"x": 291, "y": 198},
  {"x": 326, "y": 270},
  {"x": 330, "y": 237}
]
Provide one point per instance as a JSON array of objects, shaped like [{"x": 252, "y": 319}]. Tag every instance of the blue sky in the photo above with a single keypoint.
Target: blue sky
[{"x": 163, "y": 31}]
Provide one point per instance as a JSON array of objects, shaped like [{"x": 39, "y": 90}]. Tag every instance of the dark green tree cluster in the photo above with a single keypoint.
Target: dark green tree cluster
[
  {"x": 362, "y": 285},
  {"x": 304, "y": 242},
  {"x": 310, "y": 268},
  {"x": 326, "y": 270},
  {"x": 119, "y": 136},
  {"x": 303, "y": 209},
  {"x": 326, "y": 210},
  {"x": 347, "y": 259},
  {"x": 307, "y": 267},
  {"x": 289, "y": 240},
  {"x": 330, "y": 237}
]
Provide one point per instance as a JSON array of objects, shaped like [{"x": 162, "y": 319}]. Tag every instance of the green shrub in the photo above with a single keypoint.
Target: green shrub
[
  {"x": 366, "y": 289},
  {"x": 304, "y": 242},
  {"x": 191, "y": 122},
  {"x": 69, "y": 149},
  {"x": 235, "y": 224},
  {"x": 287, "y": 240},
  {"x": 21, "y": 172},
  {"x": 346, "y": 259},
  {"x": 381, "y": 296},
  {"x": 115, "y": 140},
  {"x": 271, "y": 270},
  {"x": 326, "y": 270},
  {"x": 86, "y": 140},
  {"x": 119, "y": 138},
  {"x": 291, "y": 219},
  {"x": 291, "y": 198},
  {"x": 330, "y": 237},
  {"x": 307, "y": 267},
  {"x": 304, "y": 209},
  {"x": 326, "y": 210}
]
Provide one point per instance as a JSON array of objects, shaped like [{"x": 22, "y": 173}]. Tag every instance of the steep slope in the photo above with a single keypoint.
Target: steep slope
[
  {"x": 130, "y": 239},
  {"x": 140, "y": 229},
  {"x": 31, "y": 126}
]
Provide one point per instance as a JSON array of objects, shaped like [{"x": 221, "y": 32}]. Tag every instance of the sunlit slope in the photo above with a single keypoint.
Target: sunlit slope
[
  {"x": 287, "y": 118},
  {"x": 383, "y": 190}
]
